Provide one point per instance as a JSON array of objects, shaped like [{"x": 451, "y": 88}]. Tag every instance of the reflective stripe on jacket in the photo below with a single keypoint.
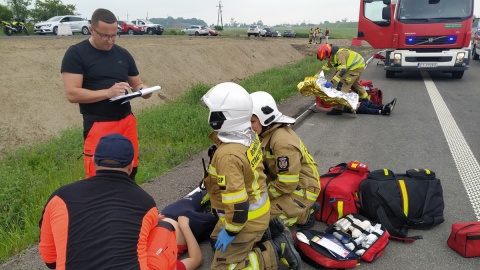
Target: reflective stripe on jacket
[
  {"x": 236, "y": 184},
  {"x": 290, "y": 167},
  {"x": 345, "y": 59}
]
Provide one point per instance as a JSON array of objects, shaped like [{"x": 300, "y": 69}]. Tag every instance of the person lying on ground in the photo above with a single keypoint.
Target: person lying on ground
[
  {"x": 363, "y": 107},
  {"x": 185, "y": 242},
  {"x": 196, "y": 206}
]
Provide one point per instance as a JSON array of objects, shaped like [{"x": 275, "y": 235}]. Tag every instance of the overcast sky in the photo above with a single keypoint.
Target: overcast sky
[{"x": 271, "y": 12}]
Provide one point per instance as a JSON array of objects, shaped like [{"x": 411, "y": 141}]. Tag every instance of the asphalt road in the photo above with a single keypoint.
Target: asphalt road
[{"x": 434, "y": 125}]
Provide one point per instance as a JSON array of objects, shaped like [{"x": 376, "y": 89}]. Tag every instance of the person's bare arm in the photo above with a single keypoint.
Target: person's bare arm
[
  {"x": 77, "y": 94},
  {"x": 137, "y": 84},
  {"x": 194, "y": 259}
]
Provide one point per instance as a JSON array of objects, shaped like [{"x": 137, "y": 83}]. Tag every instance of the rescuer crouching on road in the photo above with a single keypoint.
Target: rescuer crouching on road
[
  {"x": 349, "y": 66},
  {"x": 292, "y": 174},
  {"x": 238, "y": 190}
]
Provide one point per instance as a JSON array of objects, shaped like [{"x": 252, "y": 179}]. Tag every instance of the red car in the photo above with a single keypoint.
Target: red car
[
  {"x": 126, "y": 28},
  {"x": 212, "y": 32}
]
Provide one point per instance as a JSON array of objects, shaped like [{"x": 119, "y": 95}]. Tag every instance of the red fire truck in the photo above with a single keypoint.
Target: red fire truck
[{"x": 432, "y": 35}]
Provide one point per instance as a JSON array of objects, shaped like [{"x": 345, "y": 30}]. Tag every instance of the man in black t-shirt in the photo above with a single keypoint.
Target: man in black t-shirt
[{"x": 95, "y": 70}]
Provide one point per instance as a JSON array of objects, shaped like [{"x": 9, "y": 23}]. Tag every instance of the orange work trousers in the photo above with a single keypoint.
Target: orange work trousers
[{"x": 126, "y": 126}]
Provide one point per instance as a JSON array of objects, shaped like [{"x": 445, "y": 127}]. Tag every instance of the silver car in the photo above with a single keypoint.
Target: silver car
[
  {"x": 50, "y": 26},
  {"x": 196, "y": 30}
]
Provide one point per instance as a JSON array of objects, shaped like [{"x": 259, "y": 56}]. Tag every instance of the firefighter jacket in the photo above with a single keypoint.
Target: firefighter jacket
[
  {"x": 343, "y": 61},
  {"x": 236, "y": 185},
  {"x": 310, "y": 33},
  {"x": 289, "y": 166}
]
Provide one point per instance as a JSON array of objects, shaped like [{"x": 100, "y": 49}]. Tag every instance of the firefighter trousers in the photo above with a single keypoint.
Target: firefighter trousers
[
  {"x": 291, "y": 209},
  {"x": 243, "y": 252}
]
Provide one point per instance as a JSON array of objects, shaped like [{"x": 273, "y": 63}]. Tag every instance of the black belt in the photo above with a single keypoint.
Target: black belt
[{"x": 101, "y": 118}]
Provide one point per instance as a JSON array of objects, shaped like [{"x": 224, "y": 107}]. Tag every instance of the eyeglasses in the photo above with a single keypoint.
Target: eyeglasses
[{"x": 105, "y": 37}]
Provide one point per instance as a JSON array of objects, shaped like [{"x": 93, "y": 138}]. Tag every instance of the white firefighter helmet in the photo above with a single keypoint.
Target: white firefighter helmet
[
  {"x": 265, "y": 108},
  {"x": 230, "y": 107}
]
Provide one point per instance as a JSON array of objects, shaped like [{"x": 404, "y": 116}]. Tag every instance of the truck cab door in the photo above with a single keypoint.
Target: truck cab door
[{"x": 376, "y": 23}]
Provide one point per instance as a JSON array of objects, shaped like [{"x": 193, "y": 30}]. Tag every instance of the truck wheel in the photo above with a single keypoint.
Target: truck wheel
[
  {"x": 457, "y": 74},
  {"x": 248, "y": 35},
  {"x": 389, "y": 74},
  {"x": 150, "y": 31},
  {"x": 475, "y": 54},
  {"x": 130, "y": 31}
]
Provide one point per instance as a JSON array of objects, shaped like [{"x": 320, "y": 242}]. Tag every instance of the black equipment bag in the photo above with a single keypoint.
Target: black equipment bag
[{"x": 402, "y": 201}]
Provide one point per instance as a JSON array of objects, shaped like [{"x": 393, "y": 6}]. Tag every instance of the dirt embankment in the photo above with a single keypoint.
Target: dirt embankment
[{"x": 33, "y": 104}]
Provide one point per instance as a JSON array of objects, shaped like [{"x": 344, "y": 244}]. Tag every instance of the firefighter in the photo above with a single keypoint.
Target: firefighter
[
  {"x": 293, "y": 182},
  {"x": 310, "y": 35},
  {"x": 349, "y": 66},
  {"x": 316, "y": 34},
  {"x": 237, "y": 188}
]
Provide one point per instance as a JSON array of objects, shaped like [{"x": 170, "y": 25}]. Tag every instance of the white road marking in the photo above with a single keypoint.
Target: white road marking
[{"x": 467, "y": 165}]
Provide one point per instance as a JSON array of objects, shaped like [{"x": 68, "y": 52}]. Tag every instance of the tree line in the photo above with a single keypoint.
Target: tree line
[{"x": 41, "y": 11}]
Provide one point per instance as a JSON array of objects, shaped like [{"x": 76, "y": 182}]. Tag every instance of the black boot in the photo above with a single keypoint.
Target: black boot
[
  {"x": 387, "y": 109},
  {"x": 267, "y": 236},
  {"x": 311, "y": 217},
  {"x": 277, "y": 227},
  {"x": 285, "y": 249},
  {"x": 392, "y": 104},
  {"x": 335, "y": 112}
]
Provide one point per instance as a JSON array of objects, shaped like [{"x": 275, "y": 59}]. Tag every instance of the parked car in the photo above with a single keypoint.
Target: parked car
[
  {"x": 149, "y": 27},
  {"x": 255, "y": 30},
  {"x": 196, "y": 30},
  {"x": 289, "y": 33},
  {"x": 127, "y": 28},
  {"x": 212, "y": 32},
  {"x": 270, "y": 32},
  {"x": 50, "y": 26}
]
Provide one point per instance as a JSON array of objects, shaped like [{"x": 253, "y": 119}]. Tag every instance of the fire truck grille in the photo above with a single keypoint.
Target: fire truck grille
[{"x": 430, "y": 40}]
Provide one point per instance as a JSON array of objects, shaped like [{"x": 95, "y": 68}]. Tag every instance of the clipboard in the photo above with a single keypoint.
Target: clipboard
[{"x": 126, "y": 98}]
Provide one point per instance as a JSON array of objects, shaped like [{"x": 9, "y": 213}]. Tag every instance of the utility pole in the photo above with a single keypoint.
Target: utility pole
[{"x": 219, "y": 18}]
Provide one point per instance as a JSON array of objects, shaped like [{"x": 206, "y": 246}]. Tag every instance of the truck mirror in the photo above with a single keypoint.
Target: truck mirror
[{"x": 386, "y": 13}]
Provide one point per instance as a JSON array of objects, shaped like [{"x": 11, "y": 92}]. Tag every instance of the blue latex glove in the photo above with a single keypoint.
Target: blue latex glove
[
  {"x": 223, "y": 240},
  {"x": 328, "y": 84}
]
